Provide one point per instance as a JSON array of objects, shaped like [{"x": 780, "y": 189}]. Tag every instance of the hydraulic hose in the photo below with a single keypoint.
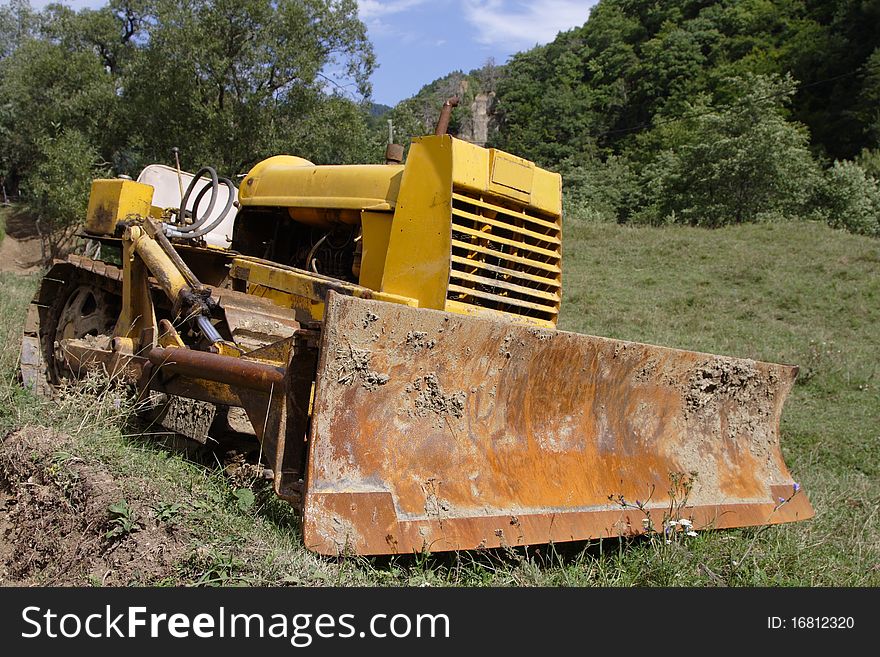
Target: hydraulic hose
[
  {"x": 188, "y": 228},
  {"x": 197, "y": 229}
]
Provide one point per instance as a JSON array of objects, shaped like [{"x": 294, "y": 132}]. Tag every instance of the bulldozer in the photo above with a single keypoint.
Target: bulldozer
[{"x": 385, "y": 335}]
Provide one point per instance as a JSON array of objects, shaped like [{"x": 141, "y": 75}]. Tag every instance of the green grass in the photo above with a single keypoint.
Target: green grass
[{"x": 798, "y": 293}]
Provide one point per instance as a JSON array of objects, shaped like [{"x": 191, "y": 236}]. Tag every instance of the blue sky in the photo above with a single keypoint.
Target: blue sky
[{"x": 418, "y": 41}]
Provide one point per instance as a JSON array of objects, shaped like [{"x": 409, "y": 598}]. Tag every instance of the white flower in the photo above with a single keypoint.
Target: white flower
[
  {"x": 673, "y": 523},
  {"x": 684, "y": 522},
  {"x": 692, "y": 533},
  {"x": 646, "y": 522}
]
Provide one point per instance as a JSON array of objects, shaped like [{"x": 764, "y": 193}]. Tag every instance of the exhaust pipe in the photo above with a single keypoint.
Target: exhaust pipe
[{"x": 445, "y": 115}]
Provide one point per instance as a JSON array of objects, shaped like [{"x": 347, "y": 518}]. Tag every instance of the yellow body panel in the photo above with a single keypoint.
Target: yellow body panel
[
  {"x": 417, "y": 264},
  {"x": 292, "y": 182},
  {"x": 490, "y": 171},
  {"x": 458, "y": 227},
  {"x": 476, "y": 231},
  {"x": 294, "y": 288},
  {"x": 376, "y": 227},
  {"x": 112, "y": 200}
]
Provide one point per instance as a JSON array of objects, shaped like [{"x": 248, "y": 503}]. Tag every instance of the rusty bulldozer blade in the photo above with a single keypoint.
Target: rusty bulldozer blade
[{"x": 434, "y": 431}]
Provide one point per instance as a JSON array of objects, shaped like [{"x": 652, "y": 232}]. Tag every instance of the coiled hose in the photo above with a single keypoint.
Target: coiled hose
[{"x": 198, "y": 228}]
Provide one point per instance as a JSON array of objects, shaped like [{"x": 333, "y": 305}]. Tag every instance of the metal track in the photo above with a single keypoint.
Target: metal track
[{"x": 51, "y": 303}]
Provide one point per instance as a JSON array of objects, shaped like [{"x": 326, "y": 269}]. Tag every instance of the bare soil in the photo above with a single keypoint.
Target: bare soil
[
  {"x": 56, "y": 526},
  {"x": 20, "y": 250}
]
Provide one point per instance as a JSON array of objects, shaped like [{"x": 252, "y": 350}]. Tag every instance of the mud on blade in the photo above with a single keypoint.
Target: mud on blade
[{"x": 444, "y": 432}]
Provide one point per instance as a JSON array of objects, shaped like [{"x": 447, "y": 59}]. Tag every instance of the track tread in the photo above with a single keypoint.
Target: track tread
[{"x": 33, "y": 367}]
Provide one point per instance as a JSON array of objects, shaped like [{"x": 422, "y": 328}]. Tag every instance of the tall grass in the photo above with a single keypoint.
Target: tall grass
[{"x": 798, "y": 293}]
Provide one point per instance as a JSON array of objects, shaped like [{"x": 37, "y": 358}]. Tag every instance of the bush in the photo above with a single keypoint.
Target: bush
[
  {"x": 850, "y": 198},
  {"x": 56, "y": 192},
  {"x": 869, "y": 160},
  {"x": 735, "y": 164},
  {"x": 598, "y": 191}
]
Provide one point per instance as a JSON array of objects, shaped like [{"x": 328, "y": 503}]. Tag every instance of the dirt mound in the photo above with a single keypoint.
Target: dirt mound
[
  {"x": 21, "y": 256},
  {"x": 20, "y": 249},
  {"x": 65, "y": 521}
]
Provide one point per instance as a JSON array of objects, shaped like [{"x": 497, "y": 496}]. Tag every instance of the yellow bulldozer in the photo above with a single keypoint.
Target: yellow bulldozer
[{"x": 386, "y": 335}]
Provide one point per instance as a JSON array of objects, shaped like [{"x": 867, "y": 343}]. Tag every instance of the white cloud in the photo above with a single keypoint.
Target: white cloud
[
  {"x": 369, "y": 9},
  {"x": 519, "y": 23},
  {"x": 376, "y": 16}
]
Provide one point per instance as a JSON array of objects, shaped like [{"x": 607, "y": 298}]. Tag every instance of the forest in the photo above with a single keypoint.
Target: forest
[
  {"x": 695, "y": 112},
  {"x": 682, "y": 111}
]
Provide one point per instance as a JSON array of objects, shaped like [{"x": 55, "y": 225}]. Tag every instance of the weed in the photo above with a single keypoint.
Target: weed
[
  {"x": 675, "y": 525},
  {"x": 244, "y": 499},
  {"x": 782, "y": 501},
  {"x": 168, "y": 513},
  {"x": 212, "y": 566},
  {"x": 122, "y": 520}
]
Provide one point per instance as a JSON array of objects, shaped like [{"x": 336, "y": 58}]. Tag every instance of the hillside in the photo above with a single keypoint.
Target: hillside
[
  {"x": 633, "y": 66},
  {"x": 690, "y": 112},
  {"x": 473, "y": 120},
  {"x": 797, "y": 293}
]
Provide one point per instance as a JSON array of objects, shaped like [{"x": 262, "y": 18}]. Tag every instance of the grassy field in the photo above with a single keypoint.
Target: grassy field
[{"x": 793, "y": 293}]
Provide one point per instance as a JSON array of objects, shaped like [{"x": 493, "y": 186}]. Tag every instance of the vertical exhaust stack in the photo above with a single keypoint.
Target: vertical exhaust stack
[{"x": 445, "y": 114}]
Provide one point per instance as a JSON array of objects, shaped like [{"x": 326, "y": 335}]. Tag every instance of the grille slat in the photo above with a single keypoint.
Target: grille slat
[
  {"x": 540, "y": 237},
  {"x": 512, "y": 287},
  {"x": 467, "y": 246},
  {"x": 504, "y": 258},
  {"x": 507, "y": 242},
  {"x": 496, "y": 297},
  {"x": 543, "y": 223},
  {"x": 504, "y": 271}
]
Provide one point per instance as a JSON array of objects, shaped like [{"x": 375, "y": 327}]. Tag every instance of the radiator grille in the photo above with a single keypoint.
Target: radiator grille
[{"x": 505, "y": 258}]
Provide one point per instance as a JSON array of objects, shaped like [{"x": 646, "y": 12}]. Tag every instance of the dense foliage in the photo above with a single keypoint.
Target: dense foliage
[
  {"x": 683, "y": 111},
  {"x": 229, "y": 82},
  {"x": 705, "y": 112}
]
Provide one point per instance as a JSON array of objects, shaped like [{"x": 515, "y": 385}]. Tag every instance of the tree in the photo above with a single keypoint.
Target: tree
[
  {"x": 604, "y": 82},
  {"x": 231, "y": 81},
  {"x": 18, "y": 22},
  {"x": 45, "y": 87},
  {"x": 869, "y": 104},
  {"x": 732, "y": 164},
  {"x": 57, "y": 189}
]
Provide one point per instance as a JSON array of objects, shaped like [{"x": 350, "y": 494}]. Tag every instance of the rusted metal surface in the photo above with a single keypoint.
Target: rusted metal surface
[
  {"x": 78, "y": 356},
  {"x": 445, "y": 115},
  {"x": 273, "y": 385},
  {"x": 272, "y": 382},
  {"x": 224, "y": 369},
  {"x": 441, "y": 432},
  {"x": 254, "y": 322},
  {"x": 37, "y": 344},
  {"x": 394, "y": 154}
]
